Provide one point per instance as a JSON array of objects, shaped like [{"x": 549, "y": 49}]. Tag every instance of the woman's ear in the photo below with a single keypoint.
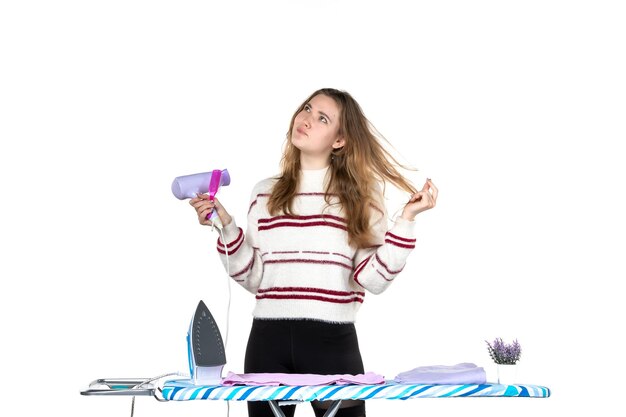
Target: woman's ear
[{"x": 339, "y": 142}]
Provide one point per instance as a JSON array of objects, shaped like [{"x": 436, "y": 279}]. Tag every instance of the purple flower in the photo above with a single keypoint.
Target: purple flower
[{"x": 504, "y": 354}]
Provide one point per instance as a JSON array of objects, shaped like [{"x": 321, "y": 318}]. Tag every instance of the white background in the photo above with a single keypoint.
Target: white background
[{"x": 515, "y": 109}]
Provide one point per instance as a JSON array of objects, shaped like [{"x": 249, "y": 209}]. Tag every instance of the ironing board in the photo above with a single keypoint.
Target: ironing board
[{"x": 185, "y": 390}]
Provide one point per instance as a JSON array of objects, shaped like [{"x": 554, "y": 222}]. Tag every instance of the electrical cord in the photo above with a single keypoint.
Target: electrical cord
[
  {"x": 136, "y": 387},
  {"x": 217, "y": 224}
]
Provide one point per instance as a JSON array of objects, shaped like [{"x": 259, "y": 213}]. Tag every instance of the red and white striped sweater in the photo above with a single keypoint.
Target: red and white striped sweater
[{"x": 301, "y": 266}]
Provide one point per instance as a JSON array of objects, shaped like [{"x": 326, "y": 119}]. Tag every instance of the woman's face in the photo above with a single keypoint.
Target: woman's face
[{"x": 316, "y": 128}]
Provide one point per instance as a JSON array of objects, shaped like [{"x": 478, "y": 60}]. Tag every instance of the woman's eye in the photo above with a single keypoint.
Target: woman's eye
[
  {"x": 323, "y": 119},
  {"x": 307, "y": 108}
]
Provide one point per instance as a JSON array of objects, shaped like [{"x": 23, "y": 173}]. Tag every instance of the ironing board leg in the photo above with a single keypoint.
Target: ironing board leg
[
  {"x": 332, "y": 410},
  {"x": 276, "y": 409}
]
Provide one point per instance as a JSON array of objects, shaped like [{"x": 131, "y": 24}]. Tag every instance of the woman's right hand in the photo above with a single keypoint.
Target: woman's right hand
[{"x": 204, "y": 207}]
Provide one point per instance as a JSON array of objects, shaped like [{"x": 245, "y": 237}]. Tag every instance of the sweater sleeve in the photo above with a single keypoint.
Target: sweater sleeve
[
  {"x": 377, "y": 266},
  {"x": 243, "y": 263}
]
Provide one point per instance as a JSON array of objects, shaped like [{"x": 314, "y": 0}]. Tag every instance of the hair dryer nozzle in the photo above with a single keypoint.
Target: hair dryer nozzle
[
  {"x": 225, "y": 178},
  {"x": 188, "y": 186}
]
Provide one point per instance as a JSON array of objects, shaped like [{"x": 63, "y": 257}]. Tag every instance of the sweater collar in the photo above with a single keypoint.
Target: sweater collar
[{"x": 313, "y": 180}]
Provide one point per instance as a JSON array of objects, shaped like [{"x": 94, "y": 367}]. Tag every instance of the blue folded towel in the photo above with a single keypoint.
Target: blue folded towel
[{"x": 462, "y": 373}]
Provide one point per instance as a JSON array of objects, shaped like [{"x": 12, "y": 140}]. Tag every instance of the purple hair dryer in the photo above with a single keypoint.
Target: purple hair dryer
[{"x": 188, "y": 186}]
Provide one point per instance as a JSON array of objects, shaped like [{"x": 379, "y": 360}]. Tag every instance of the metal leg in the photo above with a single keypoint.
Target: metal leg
[
  {"x": 332, "y": 410},
  {"x": 276, "y": 409}
]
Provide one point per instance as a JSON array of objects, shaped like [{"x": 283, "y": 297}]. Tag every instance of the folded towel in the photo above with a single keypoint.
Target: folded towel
[
  {"x": 301, "y": 379},
  {"x": 461, "y": 373}
]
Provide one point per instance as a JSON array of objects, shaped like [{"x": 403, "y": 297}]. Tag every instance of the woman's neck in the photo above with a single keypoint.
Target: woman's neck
[{"x": 313, "y": 162}]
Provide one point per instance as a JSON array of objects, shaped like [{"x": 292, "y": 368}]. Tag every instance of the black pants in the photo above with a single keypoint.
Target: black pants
[{"x": 304, "y": 347}]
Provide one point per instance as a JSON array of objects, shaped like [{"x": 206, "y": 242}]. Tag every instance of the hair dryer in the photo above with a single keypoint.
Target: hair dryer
[{"x": 188, "y": 186}]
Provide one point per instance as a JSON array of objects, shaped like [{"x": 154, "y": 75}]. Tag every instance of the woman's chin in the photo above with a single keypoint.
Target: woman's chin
[{"x": 297, "y": 142}]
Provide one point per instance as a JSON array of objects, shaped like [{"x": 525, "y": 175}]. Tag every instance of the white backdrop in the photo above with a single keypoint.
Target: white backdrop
[{"x": 514, "y": 109}]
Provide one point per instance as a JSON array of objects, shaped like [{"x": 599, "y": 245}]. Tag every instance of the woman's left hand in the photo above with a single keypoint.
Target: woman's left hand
[{"x": 421, "y": 201}]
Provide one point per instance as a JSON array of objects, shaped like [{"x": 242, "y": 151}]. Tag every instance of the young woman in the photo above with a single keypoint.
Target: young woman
[{"x": 317, "y": 238}]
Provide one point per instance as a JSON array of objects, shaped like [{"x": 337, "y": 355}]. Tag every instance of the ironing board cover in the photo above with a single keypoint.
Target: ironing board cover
[{"x": 184, "y": 390}]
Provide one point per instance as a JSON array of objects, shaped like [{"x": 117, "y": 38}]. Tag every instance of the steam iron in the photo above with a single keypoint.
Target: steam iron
[{"x": 205, "y": 348}]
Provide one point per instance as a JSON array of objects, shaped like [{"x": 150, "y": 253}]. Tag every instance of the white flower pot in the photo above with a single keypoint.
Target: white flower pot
[{"x": 507, "y": 374}]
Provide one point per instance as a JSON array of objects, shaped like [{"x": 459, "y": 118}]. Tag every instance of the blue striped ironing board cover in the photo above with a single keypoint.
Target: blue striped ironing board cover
[{"x": 185, "y": 390}]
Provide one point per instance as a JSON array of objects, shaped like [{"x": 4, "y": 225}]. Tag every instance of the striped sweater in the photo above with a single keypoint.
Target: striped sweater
[{"x": 301, "y": 266}]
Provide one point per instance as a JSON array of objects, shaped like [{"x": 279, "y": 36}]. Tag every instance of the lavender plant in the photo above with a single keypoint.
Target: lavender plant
[{"x": 504, "y": 354}]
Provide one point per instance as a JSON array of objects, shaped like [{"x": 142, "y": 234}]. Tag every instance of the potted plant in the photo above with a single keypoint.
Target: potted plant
[{"x": 505, "y": 356}]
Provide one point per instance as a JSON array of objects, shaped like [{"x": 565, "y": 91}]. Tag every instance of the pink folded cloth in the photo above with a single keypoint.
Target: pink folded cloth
[{"x": 367, "y": 378}]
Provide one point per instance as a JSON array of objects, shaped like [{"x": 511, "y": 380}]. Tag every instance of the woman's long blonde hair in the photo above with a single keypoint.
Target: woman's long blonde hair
[{"x": 354, "y": 169}]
